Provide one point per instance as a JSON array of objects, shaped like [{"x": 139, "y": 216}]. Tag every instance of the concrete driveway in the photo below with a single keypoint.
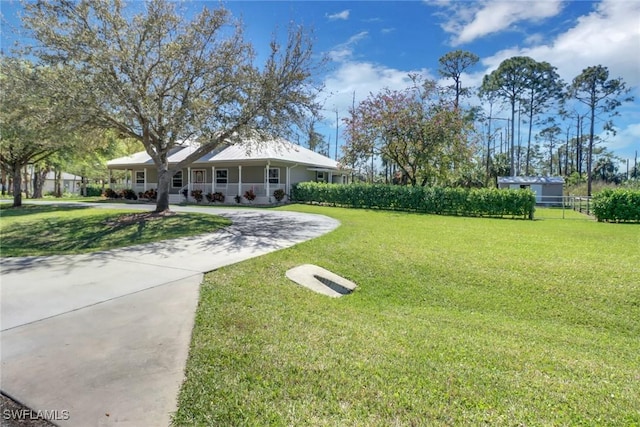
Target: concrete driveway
[{"x": 102, "y": 339}]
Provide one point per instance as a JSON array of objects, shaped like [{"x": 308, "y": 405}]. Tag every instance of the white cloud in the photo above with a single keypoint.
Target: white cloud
[
  {"x": 627, "y": 138},
  {"x": 344, "y": 15},
  {"x": 469, "y": 21},
  {"x": 343, "y": 51},
  {"x": 610, "y": 36},
  {"x": 360, "y": 79}
]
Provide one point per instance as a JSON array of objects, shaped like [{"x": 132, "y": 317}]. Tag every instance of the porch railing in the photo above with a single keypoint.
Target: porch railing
[
  {"x": 138, "y": 188},
  {"x": 231, "y": 189}
]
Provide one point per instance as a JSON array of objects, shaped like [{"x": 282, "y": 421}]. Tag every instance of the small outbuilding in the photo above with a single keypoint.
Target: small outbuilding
[{"x": 548, "y": 189}]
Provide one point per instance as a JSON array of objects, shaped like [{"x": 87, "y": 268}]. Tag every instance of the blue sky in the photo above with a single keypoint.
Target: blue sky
[{"x": 376, "y": 44}]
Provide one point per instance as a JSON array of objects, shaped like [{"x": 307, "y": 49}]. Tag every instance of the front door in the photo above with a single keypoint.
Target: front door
[
  {"x": 197, "y": 179},
  {"x": 197, "y": 176}
]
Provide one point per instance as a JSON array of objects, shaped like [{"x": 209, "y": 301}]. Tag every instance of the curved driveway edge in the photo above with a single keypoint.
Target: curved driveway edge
[{"x": 102, "y": 338}]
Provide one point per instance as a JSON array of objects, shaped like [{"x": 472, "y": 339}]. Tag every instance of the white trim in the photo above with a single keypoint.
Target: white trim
[
  {"x": 268, "y": 190},
  {"x": 188, "y": 181}
]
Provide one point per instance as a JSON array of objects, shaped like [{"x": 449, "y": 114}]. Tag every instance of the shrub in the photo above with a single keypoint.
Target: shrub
[
  {"x": 621, "y": 205},
  {"x": 111, "y": 194},
  {"x": 436, "y": 200},
  {"x": 197, "y": 195},
  {"x": 215, "y": 197},
  {"x": 93, "y": 191},
  {"x": 237, "y": 198},
  {"x": 129, "y": 194},
  {"x": 278, "y": 195},
  {"x": 151, "y": 194},
  {"x": 250, "y": 195}
]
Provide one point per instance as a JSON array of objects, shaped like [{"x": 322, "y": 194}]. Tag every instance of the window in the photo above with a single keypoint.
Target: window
[
  {"x": 274, "y": 176},
  {"x": 177, "y": 180},
  {"x": 140, "y": 177},
  {"x": 222, "y": 176},
  {"x": 320, "y": 177}
]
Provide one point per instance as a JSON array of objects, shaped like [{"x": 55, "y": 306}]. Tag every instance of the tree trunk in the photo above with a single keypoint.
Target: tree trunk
[
  {"x": 164, "y": 184},
  {"x": 39, "y": 176},
  {"x": 590, "y": 150},
  {"x": 57, "y": 190},
  {"x": 26, "y": 180},
  {"x": 17, "y": 184},
  {"x": 3, "y": 178}
]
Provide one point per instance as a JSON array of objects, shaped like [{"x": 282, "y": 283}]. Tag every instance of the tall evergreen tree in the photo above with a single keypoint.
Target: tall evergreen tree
[{"x": 600, "y": 94}]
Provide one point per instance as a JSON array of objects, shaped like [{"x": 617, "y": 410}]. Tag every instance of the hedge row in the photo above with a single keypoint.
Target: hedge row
[
  {"x": 442, "y": 201},
  {"x": 619, "y": 205}
]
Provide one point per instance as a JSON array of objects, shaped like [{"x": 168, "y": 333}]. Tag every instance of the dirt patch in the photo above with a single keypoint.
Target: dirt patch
[{"x": 137, "y": 218}]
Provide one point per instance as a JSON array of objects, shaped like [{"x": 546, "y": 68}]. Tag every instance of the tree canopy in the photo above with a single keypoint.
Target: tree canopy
[
  {"x": 420, "y": 133},
  {"x": 152, "y": 74},
  {"x": 34, "y": 117}
]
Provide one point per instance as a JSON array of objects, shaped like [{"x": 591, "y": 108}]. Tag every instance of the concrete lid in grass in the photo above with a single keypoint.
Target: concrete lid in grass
[{"x": 321, "y": 280}]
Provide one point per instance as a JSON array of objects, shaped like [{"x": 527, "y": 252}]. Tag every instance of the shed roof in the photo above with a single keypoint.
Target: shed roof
[
  {"x": 528, "y": 180},
  {"x": 65, "y": 176}
]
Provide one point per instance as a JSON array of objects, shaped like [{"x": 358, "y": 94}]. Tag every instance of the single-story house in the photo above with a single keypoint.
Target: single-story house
[
  {"x": 70, "y": 183},
  {"x": 548, "y": 189},
  {"x": 232, "y": 170}
]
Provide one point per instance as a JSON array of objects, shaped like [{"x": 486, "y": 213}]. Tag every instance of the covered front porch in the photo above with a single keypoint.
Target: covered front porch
[{"x": 226, "y": 182}]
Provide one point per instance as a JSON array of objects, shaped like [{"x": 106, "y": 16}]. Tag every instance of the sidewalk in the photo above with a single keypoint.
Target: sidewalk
[{"x": 102, "y": 339}]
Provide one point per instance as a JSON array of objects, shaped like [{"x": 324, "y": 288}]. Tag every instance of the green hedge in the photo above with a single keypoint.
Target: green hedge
[
  {"x": 442, "y": 201},
  {"x": 621, "y": 205}
]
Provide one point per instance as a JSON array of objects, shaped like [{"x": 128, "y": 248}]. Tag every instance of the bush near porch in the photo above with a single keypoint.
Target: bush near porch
[{"x": 435, "y": 200}]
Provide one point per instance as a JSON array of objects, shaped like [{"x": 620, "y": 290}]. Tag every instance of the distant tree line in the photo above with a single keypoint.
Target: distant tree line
[{"x": 529, "y": 122}]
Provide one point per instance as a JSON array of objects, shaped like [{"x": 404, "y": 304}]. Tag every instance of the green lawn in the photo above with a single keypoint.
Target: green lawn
[
  {"x": 72, "y": 229},
  {"x": 456, "y": 321}
]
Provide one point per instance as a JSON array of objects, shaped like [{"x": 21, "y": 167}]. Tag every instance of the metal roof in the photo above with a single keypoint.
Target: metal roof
[
  {"x": 530, "y": 180},
  {"x": 248, "y": 150}
]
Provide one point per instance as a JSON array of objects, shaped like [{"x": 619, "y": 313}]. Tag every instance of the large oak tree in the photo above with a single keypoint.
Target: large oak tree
[{"x": 159, "y": 77}]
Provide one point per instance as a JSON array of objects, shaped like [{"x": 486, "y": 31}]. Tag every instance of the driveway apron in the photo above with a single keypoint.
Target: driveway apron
[{"x": 102, "y": 339}]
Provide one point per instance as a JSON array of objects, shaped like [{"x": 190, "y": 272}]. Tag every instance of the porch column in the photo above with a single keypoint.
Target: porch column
[
  {"x": 287, "y": 186},
  {"x": 266, "y": 178},
  {"x": 188, "y": 182},
  {"x": 109, "y": 182},
  {"x": 240, "y": 180},
  {"x": 144, "y": 189},
  {"x": 330, "y": 177},
  {"x": 213, "y": 179}
]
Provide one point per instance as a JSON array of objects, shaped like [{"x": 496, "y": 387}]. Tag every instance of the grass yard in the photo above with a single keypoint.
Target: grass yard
[
  {"x": 73, "y": 229},
  {"x": 455, "y": 321}
]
